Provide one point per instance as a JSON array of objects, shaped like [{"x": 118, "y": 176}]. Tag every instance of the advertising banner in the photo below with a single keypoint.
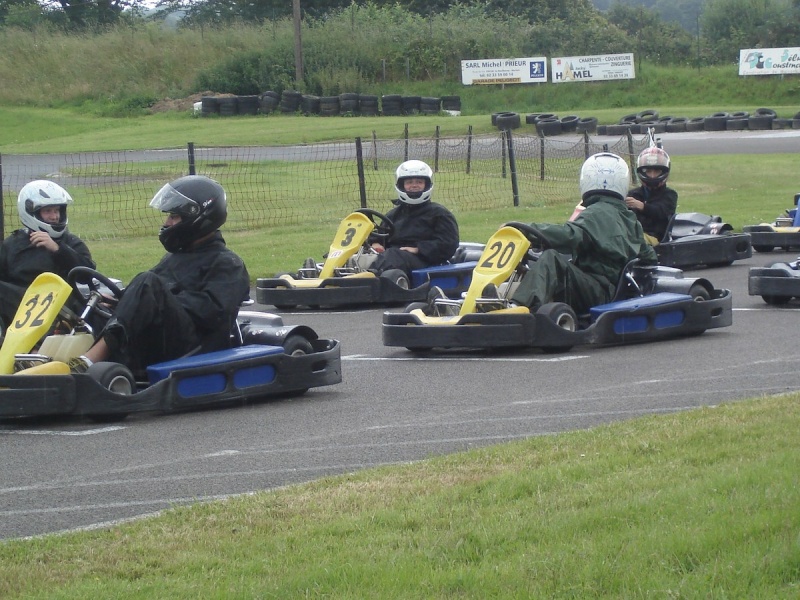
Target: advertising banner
[
  {"x": 504, "y": 70},
  {"x": 603, "y": 67},
  {"x": 769, "y": 61}
]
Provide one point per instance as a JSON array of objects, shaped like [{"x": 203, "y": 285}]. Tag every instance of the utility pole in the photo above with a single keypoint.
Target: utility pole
[{"x": 298, "y": 44}]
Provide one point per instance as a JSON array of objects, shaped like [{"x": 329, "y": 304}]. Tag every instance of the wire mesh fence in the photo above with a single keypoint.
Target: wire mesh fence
[{"x": 310, "y": 184}]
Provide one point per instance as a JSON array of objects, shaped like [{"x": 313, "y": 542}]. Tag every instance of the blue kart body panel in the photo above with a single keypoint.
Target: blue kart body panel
[
  {"x": 253, "y": 371},
  {"x": 658, "y": 316}
]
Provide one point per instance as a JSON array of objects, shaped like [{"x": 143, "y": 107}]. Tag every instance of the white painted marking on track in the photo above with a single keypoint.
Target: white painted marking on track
[
  {"x": 66, "y": 433},
  {"x": 459, "y": 358}
]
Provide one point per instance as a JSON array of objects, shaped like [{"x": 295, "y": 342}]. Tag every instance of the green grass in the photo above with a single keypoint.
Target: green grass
[{"x": 699, "y": 504}]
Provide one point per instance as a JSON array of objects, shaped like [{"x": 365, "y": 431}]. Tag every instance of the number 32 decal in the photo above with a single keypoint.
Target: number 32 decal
[{"x": 36, "y": 308}]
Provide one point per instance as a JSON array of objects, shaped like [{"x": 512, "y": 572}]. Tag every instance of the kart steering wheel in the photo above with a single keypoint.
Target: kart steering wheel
[
  {"x": 90, "y": 277},
  {"x": 533, "y": 234},
  {"x": 384, "y": 228}
]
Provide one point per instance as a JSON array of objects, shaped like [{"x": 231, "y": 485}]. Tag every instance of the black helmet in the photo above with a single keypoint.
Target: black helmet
[{"x": 201, "y": 204}]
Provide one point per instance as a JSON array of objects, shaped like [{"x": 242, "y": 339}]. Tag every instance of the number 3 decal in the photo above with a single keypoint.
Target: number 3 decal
[{"x": 348, "y": 237}]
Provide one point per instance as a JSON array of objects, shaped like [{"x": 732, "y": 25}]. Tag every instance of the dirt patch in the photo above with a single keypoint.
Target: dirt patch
[{"x": 183, "y": 104}]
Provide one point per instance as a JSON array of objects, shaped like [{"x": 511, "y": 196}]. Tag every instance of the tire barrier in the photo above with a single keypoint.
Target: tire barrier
[
  {"x": 309, "y": 104},
  {"x": 507, "y": 120}
]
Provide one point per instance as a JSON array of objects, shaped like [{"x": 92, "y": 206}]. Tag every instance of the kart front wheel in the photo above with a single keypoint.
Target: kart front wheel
[
  {"x": 297, "y": 345},
  {"x": 115, "y": 378},
  {"x": 699, "y": 293},
  {"x": 564, "y": 317}
]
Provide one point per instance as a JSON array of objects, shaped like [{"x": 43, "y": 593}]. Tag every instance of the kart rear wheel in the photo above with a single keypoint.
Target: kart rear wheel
[
  {"x": 115, "y": 378},
  {"x": 760, "y": 248},
  {"x": 397, "y": 277},
  {"x": 564, "y": 317}
]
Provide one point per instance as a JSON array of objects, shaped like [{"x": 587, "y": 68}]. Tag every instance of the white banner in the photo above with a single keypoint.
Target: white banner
[
  {"x": 504, "y": 70},
  {"x": 603, "y": 67},
  {"x": 769, "y": 61}
]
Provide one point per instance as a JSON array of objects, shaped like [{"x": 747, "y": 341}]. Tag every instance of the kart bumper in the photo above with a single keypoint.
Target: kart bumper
[
  {"x": 705, "y": 249},
  {"x": 660, "y": 316},
  {"x": 336, "y": 291},
  {"x": 773, "y": 281},
  {"x": 765, "y": 238},
  {"x": 186, "y": 387}
]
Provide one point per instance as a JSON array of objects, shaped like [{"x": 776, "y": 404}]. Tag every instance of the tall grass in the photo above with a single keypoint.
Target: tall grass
[{"x": 361, "y": 49}]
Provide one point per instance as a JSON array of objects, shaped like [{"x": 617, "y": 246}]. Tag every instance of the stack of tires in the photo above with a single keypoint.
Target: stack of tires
[
  {"x": 430, "y": 105},
  {"x": 392, "y": 105},
  {"x": 228, "y": 106},
  {"x": 329, "y": 106},
  {"x": 411, "y": 105},
  {"x": 290, "y": 101},
  {"x": 451, "y": 105},
  {"x": 309, "y": 104},
  {"x": 368, "y": 105},
  {"x": 248, "y": 105},
  {"x": 268, "y": 102},
  {"x": 506, "y": 120},
  {"x": 348, "y": 104},
  {"x": 209, "y": 106}
]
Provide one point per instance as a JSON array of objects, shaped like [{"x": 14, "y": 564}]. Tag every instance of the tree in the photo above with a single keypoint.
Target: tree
[{"x": 658, "y": 41}]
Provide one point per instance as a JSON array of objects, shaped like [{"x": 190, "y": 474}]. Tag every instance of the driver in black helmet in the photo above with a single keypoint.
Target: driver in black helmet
[{"x": 191, "y": 298}]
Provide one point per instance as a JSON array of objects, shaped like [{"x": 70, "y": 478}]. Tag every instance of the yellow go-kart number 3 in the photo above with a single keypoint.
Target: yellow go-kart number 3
[
  {"x": 352, "y": 234},
  {"x": 36, "y": 313}
]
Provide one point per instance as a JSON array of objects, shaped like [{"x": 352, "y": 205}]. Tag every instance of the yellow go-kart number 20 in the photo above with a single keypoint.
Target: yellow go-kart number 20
[
  {"x": 36, "y": 313},
  {"x": 500, "y": 257}
]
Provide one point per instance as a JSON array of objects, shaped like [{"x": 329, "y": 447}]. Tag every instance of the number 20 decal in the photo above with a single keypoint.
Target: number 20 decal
[
  {"x": 501, "y": 253},
  {"x": 39, "y": 306}
]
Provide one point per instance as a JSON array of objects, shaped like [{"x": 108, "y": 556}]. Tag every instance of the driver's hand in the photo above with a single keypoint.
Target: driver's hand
[
  {"x": 40, "y": 239},
  {"x": 378, "y": 247},
  {"x": 634, "y": 204},
  {"x": 410, "y": 249}
]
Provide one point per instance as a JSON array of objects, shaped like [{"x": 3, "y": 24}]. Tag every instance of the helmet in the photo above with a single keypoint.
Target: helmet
[
  {"x": 653, "y": 158},
  {"x": 604, "y": 173},
  {"x": 201, "y": 204},
  {"x": 414, "y": 169},
  {"x": 33, "y": 197}
]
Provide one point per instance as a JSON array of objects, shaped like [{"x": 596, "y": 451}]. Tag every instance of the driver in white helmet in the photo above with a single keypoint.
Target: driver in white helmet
[
  {"x": 425, "y": 232},
  {"x": 586, "y": 256},
  {"x": 44, "y": 244},
  {"x": 653, "y": 202}
]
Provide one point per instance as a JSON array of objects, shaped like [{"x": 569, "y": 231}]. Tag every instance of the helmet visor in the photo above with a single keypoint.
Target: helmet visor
[{"x": 170, "y": 200}]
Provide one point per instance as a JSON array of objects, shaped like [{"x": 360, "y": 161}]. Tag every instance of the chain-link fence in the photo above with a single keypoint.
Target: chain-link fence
[{"x": 313, "y": 184}]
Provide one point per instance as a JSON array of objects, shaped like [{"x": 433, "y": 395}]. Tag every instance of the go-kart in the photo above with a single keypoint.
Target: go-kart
[
  {"x": 695, "y": 239},
  {"x": 777, "y": 283},
  {"x": 784, "y": 232},
  {"x": 265, "y": 358},
  {"x": 344, "y": 277},
  {"x": 651, "y": 303}
]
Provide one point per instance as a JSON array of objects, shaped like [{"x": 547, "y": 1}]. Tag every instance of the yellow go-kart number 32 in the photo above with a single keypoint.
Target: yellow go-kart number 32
[{"x": 36, "y": 313}]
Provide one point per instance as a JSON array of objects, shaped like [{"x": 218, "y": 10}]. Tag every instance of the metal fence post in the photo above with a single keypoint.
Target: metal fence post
[
  {"x": 586, "y": 144},
  {"x": 436, "y": 150},
  {"x": 2, "y": 204},
  {"x": 469, "y": 149},
  {"x": 630, "y": 154},
  {"x": 405, "y": 139},
  {"x": 192, "y": 168},
  {"x": 362, "y": 186},
  {"x": 541, "y": 156},
  {"x": 512, "y": 164},
  {"x": 503, "y": 153}
]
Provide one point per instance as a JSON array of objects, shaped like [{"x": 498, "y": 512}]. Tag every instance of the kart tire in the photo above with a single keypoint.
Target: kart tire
[
  {"x": 297, "y": 345},
  {"x": 117, "y": 379},
  {"x": 416, "y": 305},
  {"x": 776, "y": 300},
  {"x": 397, "y": 277},
  {"x": 564, "y": 317},
  {"x": 561, "y": 314},
  {"x": 763, "y": 248},
  {"x": 699, "y": 293}
]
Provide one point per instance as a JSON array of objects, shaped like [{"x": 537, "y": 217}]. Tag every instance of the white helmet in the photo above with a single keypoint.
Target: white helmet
[
  {"x": 34, "y": 196},
  {"x": 414, "y": 169},
  {"x": 604, "y": 173}
]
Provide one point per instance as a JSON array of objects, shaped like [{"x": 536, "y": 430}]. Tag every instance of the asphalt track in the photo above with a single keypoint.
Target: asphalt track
[{"x": 392, "y": 407}]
